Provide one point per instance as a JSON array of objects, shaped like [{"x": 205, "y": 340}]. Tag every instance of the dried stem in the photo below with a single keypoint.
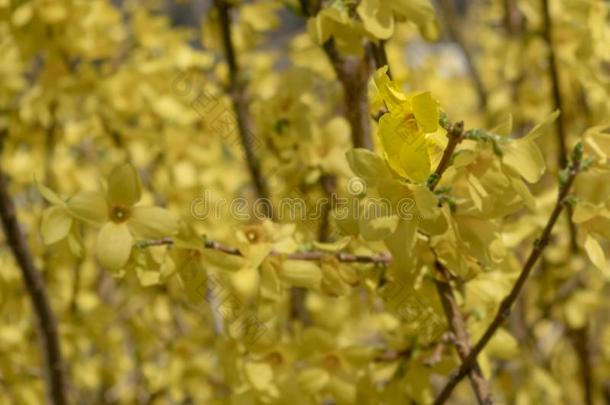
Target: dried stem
[
  {"x": 562, "y": 156},
  {"x": 380, "y": 56},
  {"x": 240, "y": 104},
  {"x": 580, "y": 339},
  {"x": 47, "y": 326},
  {"x": 382, "y": 259},
  {"x": 507, "y": 303},
  {"x": 560, "y": 123},
  {"x": 452, "y": 24},
  {"x": 513, "y": 19},
  {"x": 455, "y": 133},
  {"x": 329, "y": 185},
  {"x": 353, "y": 73},
  {"x": 457, "y": 325}
]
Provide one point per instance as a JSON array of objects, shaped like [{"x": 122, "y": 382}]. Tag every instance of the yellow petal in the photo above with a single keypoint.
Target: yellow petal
[
  {"x": 379, "y": 221},
  {"x": 300, "y": 273},
  {"x": 113, "y": 246},
  {"x": 401, "y": 242},
  {"x": 55, "y": 225},
  {"x": 425, "y": 201},
  {"x": 595, "y": 253},
  {"x": 124, "y": 185},
  {"x": 414, "y": 158},
  {"x": 425, "y": 109},
  {"x": 343, "y": 391},
  {"x": 89, "y": 206},
  {"x": 192, "y": 275},
  {"x": 542, "y": 127},
  {"x": 377, "y": 19},
  {"x": 259, "y": 374},
  {"x": 313, "y": 380},
  {"x": 48, "y": 194},
  {"x": 389, "y": 92},
  {"x": 367, "y": 164},
  {"x": 525, "y": 158},
  {"x": 152, "y": 222},
  {"x": 585, "y": 211},
  {"x": 418, "y": 11}
]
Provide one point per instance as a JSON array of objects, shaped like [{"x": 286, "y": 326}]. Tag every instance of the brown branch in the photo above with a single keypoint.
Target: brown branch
[
  {"x": 507, "y": 303},
  {"x": 353, "y": 73},
  {"x": 55, "y": 378},
  {"x": 451, "y": 21},
  {"x": 560, "y": 123},
  {"x": 457, "y": 325},
  {"x": 580, "y": 341},
  {"x": 562, "y": 156},
  {"x": 513, "y": 19},
  {"x": 240, "y": 105},
  {"x": 455, "y": 133},
  {"x": 380, "y": 56},
  {"x": 329, "y": 185},
  {"x": 382, "y": 259}
]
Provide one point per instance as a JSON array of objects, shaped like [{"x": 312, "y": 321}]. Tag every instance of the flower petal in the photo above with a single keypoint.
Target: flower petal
[
  {"x": 89, "y": 206},
  {"x": 113, "y": 247},
  {"x": 152, "y": 222},
  {"x": 48, "y": 194},
  {"x": 425, "y": 109},
  {"x": 377, "y": 18},
  {"x": 414, "y": 158},
  {"x": 55, "y": 225},
  {"x": 124, "y": 185}
]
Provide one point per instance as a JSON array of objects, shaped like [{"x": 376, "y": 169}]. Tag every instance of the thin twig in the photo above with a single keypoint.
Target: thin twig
[
  {"x": 580, "y": 339},
  {"x": 240, "y": 104},
  {"x": 47, "y": 326},
  {"x": 513, "y": 19},
  {"x": 451, "y": 22},
  {"x": 381, "y": 57},
  {"x": 457, "y": 325},
  {"x": 560, "y": 123},
  {"x": 562, "y": 156},
  {"x": 328, "y": 183},
  {"x": 455, "y": 133},
  {"x": 507, "y": 303},
  {"x": 353, "y": 73},
  {"x": 316, "y": 255}
]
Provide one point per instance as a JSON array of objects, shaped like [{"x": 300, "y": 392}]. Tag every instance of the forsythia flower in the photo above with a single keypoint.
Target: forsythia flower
[
  {"x": 378, "y": 16},
  {"x": 119, "y": 218},
  {"x": 403, "y": 128},
  {"x": 57, "y": 224}
]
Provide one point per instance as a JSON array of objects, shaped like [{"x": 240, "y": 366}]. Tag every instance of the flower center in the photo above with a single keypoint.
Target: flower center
[
  {"x": 275, "y": 358},
  {"x": 253, "y": 235},
  {"x": 331, "y": 361},
  {"x": 119, "y": 213}
]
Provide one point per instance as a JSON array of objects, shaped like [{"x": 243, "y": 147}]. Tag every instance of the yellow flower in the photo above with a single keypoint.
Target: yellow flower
[
  {"x": 403, "y": 128},
  {"x": 121, "y": 221},
  {"x": 57, "y": 224},
  {"x": 379, "y": 16}
]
